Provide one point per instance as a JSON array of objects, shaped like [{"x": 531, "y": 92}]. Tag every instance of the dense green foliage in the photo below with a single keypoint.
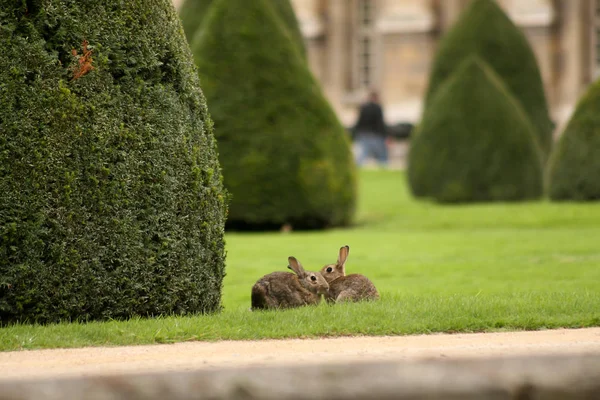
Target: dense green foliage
[
  {"x": 193, "y": 13},
  {"x": 485, "y": 30},
  {"x": 575, "y": 164},
  {"x": 112, "y": 198},
  {"x": 285, "y": 10},
  {"x": 475, "y": 143},
  {"x": 473, "y": 268},
  {"x": 285, "y": 156}
]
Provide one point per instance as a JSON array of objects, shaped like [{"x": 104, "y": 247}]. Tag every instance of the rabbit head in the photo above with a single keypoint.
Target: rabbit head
[
  {"x": 332, "y": 272},
  {"x": 311, "y": 281}
]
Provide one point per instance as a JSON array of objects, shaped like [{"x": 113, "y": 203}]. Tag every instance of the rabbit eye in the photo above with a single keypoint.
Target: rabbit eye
[
  {"x": 313, "y": 278},
  {"x": 329, "y": 269}
]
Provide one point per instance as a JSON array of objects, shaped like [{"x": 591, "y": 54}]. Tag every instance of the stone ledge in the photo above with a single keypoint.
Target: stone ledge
[
  {"x": 311, "y": 27},
  {"x": 550, "y": 377},
  {"x": 543, "y": 19},
  {"x": 406, "y": 24}
]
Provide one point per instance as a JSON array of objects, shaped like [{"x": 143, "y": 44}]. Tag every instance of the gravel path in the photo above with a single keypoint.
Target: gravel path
[{"x": 198, "y": 355}]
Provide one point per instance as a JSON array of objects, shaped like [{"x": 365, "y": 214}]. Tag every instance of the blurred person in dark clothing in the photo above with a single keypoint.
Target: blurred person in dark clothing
[{"x": 370, "y": 131}]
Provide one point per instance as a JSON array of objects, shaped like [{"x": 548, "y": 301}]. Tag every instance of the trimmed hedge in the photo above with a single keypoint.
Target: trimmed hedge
[
  {"x": 475, "y": 143},
  {"x": 285, "y": 10},
  {"x": 285, "y": 156},
  {"x": 112, "y": 198},
  {"x": 486, "y": 31},
  {"x": 193, "y": 13},
  {"x": 575, "y": 164}
]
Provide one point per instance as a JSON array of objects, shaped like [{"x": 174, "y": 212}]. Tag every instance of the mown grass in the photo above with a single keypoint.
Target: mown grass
[{"x": 439, "y": 269}]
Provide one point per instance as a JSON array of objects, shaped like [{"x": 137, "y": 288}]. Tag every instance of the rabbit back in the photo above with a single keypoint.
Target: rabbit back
[
  {"x": 353, "y": 287},
  {"x": 281, "y": 290}
]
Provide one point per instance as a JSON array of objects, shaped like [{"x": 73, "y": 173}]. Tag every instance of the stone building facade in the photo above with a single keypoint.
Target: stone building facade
[{"x": 390, "y": 44}]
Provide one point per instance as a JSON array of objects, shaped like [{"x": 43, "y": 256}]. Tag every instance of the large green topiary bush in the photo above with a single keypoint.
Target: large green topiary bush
[
  {"x": 112, "y": 199},
  {"x": 285, "y": 10},
  {"x": 475, "y": 143},
  {"x": 575, "y": 164},
  {"x": 193, "y": 13},
  {"x": 285, "y": 156},
  {"x": 486, "y": 31}
]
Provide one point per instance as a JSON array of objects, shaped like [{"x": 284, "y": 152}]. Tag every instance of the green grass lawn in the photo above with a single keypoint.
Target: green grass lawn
[{"x": 438, "y": 269}]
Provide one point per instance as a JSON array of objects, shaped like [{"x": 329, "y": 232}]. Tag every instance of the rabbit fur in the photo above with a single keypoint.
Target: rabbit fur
[
  {"x": 342, "y": 287},
  {"x": 288, "y": 290}
]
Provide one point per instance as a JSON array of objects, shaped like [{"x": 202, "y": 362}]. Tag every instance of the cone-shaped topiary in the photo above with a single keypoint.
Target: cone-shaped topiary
[
  {"x": 193, "y": 13},
  {"x": 486, "y": 31},
  {"x": 285, "y": 10},
  {"x": 285, "y": 156},
  {"x": 475, "y": 143},
  {"x": 575, "y": 164},
  {"x": 112, "y": 199}
]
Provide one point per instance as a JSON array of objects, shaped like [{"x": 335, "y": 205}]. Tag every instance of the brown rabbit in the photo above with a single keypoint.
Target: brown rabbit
[
  {"x": 342, "y": 287},
  {"x": 287, "y": 290}
]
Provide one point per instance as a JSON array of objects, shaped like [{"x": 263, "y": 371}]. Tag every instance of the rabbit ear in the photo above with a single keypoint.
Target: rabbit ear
[
  {"x": 341, "y": 262},
  {"x": 296, "y": 267}
]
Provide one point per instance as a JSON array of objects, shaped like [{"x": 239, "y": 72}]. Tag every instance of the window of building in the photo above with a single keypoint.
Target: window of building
[{"x": 364, "y": 44}]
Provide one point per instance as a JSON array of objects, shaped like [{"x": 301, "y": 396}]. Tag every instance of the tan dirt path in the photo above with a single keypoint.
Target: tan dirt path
[{"x": 203, "y": 355}]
